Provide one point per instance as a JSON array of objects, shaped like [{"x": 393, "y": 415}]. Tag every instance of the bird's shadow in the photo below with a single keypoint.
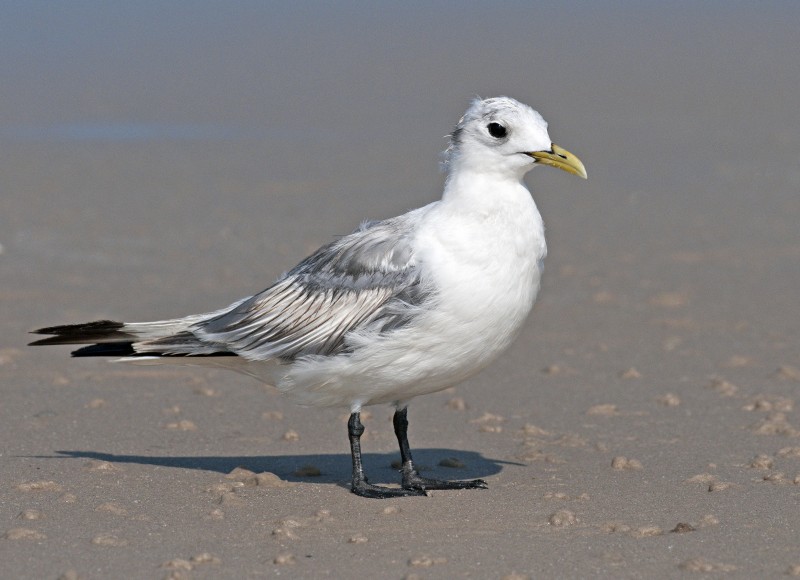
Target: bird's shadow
[{"x": 321, "y": 468}]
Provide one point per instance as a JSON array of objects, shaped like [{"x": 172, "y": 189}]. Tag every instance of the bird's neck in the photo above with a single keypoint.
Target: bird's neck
[{"x": 483, "y": 190}]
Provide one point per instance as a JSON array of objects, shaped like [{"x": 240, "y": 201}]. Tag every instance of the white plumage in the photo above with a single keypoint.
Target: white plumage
[{"x": 397, "y": 309}]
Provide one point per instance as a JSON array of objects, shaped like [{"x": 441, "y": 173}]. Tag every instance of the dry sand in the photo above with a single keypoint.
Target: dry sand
[{"x": 156, "y": 163}]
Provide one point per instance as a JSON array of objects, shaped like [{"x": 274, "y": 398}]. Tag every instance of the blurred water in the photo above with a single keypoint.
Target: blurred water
[{"x": 174, "y": 120}]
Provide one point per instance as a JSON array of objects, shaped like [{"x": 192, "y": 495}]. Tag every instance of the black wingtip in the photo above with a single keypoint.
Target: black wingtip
[{"x": 87, "y": 332}]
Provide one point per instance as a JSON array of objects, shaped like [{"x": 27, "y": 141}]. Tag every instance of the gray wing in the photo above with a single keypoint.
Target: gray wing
[{"x": 369, "y": 277}]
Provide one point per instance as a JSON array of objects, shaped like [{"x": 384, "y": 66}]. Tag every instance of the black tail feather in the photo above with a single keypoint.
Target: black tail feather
[
  {"x": 126, "y": 349},
  {"x": 88, "y": 332},
  {"x": 106, "y": 349}
]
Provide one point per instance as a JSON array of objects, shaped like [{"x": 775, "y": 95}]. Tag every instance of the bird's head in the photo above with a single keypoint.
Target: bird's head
[{"x": 502, "y": 135}]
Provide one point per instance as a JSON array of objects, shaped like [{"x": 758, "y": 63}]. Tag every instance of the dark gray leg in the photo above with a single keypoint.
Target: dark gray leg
[
  {"x": 412, "y": 479},
  {"x": 360, "y": 484}
]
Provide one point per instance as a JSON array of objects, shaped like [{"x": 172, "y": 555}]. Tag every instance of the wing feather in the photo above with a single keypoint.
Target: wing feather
[{"x": 364, "y": 278}]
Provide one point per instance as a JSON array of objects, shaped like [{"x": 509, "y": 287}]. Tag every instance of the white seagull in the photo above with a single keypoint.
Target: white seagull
[{"x": 399, "y": 308}]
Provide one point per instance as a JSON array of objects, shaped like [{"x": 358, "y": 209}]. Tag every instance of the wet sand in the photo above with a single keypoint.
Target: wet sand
[{"x": 155, "y": 163}]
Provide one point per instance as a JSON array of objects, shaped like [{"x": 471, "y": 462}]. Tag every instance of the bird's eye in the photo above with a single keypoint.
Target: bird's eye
[{"x": 496, "y": 130}]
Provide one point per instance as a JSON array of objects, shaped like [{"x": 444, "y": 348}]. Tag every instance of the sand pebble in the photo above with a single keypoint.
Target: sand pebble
[
  {"x": 539, "y": 455},
  {"x": 490, "y": 429},
  {"x": 702, "y": 478},
  {"x": 631, "y": 373},
  {"x": 621, "y": 463},
  {"x": 307, "y": 471},
  {"x": 669, "y": 400},
  {"x": 562, "y": 518},
  {"x": 216, "y": 514},
  {"x": 558, "y": 495},
  {"x": 533, "y": 430},
  {"x": 291, "y": 522},
  {"x": 205, "y": 391},
  {"x": 391, "y": 510},
  {"x": 647, "y": 532},
  {"x": 68, "y": 498},
  {"x": 723, "y": 387},
  {"x": 456, "y": 404},
  {"x": 770, "y": 403},
  {"x": 452, "y": 462},
  {"x": 776, "y": 477},
  {"x": 238, "y": 474},
  {"x": 225, "y": 487},
  {"x": 358, "y": 539},
  {"x": 272, "y": 415},
  {"x": 489, "y": 418},
  {"x": 285, "y": 559},
  {"x": 426, "y": 561},
  {"x": 286, "y": 526},
  {"x": 789, "y": 452},
  {"x": 705, "y": 566},
  {"x": 205, "y": 558},
  {"x": 35, "y": 486},
  {"x": 788, "y": 373},
  {"x": 774, "y": 424},
  {"x": 182, "y": 425},
  {"x": 707, "y": 520},
  {"x": 762, "y": 462},
  {"x": 719, "y": 486},
  {"x": 103, "y": 466},
  {"x": 606, "y": 409},
  {"x": 24, "y": 534},
  {"x": 178, "y": 564},
  {"x": 230, "y": 499},
  {"x": 291, "y": 435},
  {"x": 181, "y": 564},
  {"x": 96, "y": 404},
  {"x": 30, "y": 514},
  {"x": 267, "y": 479},
  {"x": 109, "y": 540},
  {"x": 112, "y": 508},
  {"x": 682, "y": 528}
]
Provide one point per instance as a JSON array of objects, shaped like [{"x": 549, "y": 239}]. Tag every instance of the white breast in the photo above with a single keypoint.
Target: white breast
[{"x": 483, "y": 264}]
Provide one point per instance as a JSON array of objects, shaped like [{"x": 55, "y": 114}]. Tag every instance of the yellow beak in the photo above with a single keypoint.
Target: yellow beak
[{"x": 561, "y": 158}]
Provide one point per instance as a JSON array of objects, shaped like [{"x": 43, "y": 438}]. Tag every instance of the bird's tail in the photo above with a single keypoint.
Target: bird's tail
[{"x": 164, "y": 338}]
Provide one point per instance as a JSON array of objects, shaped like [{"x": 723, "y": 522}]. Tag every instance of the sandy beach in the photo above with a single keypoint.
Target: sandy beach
[{"x": 157, "y": 162}]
